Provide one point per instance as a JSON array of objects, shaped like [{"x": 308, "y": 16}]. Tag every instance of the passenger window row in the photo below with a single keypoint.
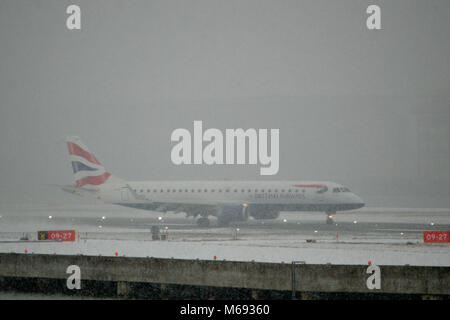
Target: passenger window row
[{"x": 210, "y": 190}]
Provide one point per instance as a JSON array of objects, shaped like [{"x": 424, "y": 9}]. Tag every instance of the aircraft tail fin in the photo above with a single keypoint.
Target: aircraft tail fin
[{"x": 87, "y": 170}]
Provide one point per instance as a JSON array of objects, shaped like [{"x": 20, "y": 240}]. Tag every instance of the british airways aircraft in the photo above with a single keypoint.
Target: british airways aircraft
[{"x": 226, "y": 200}]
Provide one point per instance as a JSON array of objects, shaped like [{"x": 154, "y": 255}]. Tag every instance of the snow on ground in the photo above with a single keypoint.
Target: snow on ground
[
  {"x": 384, "y": 236},
  {"x": 248, "y": 250}
]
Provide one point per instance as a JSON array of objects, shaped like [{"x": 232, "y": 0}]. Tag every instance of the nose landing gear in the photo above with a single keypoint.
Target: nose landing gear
[{"x": 330, "y": 219}]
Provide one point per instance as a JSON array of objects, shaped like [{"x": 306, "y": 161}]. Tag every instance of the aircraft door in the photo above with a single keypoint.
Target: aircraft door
[
  {"x": 124, "y": 194},
  {"x": 320, "y": 193}
]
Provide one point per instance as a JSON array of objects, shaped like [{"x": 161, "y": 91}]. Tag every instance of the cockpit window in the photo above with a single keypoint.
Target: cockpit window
[{"x": 341, "y": 189}]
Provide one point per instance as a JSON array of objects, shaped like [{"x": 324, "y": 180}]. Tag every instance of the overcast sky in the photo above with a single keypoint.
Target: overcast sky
[{"x": 368, "y": 109}]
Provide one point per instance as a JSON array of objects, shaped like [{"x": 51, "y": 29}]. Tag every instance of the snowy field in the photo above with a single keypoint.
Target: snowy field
[{"x": 384, "y": 236}]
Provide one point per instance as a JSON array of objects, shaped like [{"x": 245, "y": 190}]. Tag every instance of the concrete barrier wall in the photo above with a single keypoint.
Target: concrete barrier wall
[{"x": 251, "y": 275}]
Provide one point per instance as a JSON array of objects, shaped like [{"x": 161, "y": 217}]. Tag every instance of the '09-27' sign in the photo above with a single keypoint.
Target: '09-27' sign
[
  {"x": 58, "y": 235},
  {"x": 436, "y": 236}
]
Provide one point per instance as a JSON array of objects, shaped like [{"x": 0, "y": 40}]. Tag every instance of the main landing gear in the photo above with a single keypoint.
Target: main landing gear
[{"x": 203, "y": 222}]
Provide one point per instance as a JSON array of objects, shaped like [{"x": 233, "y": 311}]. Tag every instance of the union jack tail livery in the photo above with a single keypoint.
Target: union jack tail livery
[{"x": 87, "y": 170}]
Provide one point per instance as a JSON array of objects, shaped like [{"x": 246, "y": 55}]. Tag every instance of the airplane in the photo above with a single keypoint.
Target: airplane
[{"x": 228, "y": 201}]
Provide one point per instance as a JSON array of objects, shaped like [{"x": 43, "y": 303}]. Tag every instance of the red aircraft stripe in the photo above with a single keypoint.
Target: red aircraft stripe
[
  {"x": 93, "y": 180},
  {"x": 76, "y": 150}
]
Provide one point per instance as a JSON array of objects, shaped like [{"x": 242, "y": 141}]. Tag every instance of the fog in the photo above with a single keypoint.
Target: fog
[{"x": 368, "y": 109}]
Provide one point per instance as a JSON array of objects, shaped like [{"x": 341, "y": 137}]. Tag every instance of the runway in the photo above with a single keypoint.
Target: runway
[{"x": 385, "y": 236}]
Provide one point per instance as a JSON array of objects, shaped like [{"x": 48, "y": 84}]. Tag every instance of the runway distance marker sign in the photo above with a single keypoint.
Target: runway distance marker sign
[
  {"x": 436, "y": 236},
  {"x": 61, "y": 235}
]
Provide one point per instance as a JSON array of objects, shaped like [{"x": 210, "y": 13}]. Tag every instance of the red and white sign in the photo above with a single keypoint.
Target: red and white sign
[
  {"x": 436, "y": 236},
  {"x": 62, "y": 235}
]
